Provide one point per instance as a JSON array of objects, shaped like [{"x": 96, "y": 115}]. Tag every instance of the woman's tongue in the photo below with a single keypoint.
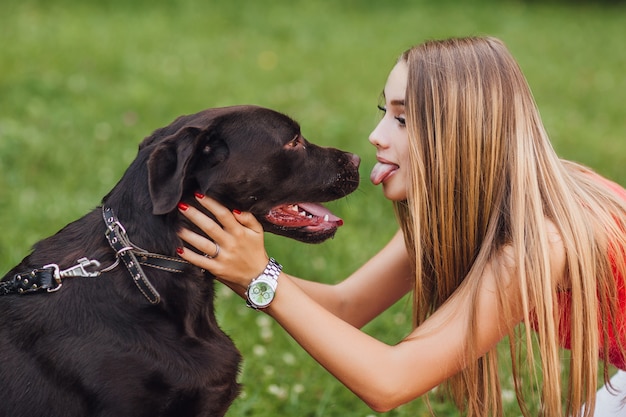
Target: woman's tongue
[{"x": 382, "y": 171}]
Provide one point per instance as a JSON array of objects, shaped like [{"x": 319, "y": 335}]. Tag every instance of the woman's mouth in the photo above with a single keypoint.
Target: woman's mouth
[{"x": 382, "y": 171}]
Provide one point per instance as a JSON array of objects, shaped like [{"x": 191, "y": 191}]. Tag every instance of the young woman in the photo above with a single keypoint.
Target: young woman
[{"x": 495, "y": 231}]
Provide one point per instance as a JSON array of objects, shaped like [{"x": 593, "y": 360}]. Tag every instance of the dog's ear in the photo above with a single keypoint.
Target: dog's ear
[{"x": 167, "y": 166}]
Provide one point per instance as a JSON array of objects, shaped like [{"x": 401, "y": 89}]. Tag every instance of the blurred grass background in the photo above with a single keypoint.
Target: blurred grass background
[{"x": 81, "y": 83}]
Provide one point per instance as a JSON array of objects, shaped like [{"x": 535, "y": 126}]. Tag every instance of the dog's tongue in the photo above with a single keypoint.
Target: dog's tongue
[
  {"x": 319, "y": 211},
  {"x": 381, "y": 171}
]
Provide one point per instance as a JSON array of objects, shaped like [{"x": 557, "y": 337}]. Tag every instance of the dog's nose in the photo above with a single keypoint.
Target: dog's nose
[{"x": 355, "y": 159}]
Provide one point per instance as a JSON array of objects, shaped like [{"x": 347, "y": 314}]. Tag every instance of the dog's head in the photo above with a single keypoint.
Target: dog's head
[{"x": 252, "y": 159}]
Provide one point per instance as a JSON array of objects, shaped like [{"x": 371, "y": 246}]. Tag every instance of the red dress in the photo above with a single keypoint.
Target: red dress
[{"x": 615, "y": 356}]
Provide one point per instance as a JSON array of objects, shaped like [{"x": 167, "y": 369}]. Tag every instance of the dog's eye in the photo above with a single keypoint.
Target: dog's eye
[{"x": 296, "y": 143}]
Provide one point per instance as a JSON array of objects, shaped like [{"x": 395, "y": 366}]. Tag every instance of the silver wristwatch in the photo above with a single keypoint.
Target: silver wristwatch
[{"x": 262, "y": 289}]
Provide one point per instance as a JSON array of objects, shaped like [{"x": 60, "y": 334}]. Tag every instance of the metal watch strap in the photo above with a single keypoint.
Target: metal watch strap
[{"x": 272, "y": 270}]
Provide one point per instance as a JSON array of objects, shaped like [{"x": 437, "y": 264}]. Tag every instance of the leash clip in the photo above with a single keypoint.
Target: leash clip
[
  {"x": 80, "y": 269},
  {"x": 73, "y": 271}
]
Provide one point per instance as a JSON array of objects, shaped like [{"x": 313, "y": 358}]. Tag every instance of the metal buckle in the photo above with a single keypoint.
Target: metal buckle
[
  {"x": 57, "y": 277},
  {"x": 73, "y": 271}
]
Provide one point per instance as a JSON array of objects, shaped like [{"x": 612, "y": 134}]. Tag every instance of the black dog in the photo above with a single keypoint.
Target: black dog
[{"x": 140, "y": 338}]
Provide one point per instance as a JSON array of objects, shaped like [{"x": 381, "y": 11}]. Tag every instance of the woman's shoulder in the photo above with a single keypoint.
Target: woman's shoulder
[{"x": 507, "y": 258}]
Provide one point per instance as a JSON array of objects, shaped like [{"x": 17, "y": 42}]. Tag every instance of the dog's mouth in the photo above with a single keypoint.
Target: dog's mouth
[{"x": 312, "y": 217}]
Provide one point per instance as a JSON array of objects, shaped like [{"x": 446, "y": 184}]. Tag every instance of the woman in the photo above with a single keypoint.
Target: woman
[{"x": 495, "y": 230}]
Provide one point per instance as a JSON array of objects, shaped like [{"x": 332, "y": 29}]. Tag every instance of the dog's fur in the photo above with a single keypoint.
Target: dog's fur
[{"x": 97, "y": 347}]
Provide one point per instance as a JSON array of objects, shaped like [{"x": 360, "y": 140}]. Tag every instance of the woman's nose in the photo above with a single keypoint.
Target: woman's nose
[{"x": 376, "y": 137}]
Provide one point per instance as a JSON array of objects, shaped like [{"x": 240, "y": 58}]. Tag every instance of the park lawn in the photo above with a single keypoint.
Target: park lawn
[{"x": 81, "y": 83}]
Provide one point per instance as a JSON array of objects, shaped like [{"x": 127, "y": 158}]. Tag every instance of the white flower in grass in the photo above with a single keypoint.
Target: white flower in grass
[
  {"x": 297, "y": 389},
  {"x": 399, "y": 318},
  {"x": 263, "y": 321},
  {"x": 266, "y": 334},
  {"x": 278, "y": 392},
  {"x": 508, "y": 396},
  {"x": 289, "y": 358},
  {"x": 265, "y": 324},
  {"x": 259, "y": 350},
  {"x": 269, "y": 370}
]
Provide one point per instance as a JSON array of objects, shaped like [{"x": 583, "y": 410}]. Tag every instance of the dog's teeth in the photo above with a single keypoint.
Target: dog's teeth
[
  {"x": 294, "y": 208},
  {"x": 302, "y": 213},
  {"x": 326, "y": 218}
]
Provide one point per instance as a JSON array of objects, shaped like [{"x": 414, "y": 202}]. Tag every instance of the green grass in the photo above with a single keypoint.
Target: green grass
[{"x": 81, "y": 83}]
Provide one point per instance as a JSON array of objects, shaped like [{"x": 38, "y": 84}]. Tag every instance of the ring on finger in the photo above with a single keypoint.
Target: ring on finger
[{"x": 217, "y": 252}]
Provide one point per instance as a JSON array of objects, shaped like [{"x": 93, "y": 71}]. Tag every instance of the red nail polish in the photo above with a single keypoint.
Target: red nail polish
[
  {"x": 180, "y": 251},
  {"x": 199, "y": 195},
  {"x": 237, "y": 211},
  {"x": 182, "y": 206}
]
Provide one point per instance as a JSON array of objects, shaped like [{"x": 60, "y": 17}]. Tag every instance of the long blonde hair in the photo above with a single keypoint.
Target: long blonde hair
[{"x": 484, "y": 175}]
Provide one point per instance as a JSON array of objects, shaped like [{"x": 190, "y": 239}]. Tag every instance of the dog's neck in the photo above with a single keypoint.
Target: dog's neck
[{"x": 130, "y": 200}]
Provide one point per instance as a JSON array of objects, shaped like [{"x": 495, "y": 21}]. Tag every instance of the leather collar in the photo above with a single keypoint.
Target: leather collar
[
  {"x": 134, "y": 257},
  {"x": 48, "y": 278}
]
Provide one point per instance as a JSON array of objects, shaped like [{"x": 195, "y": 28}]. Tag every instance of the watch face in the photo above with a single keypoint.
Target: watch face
[{"x": 260, "y": 293}]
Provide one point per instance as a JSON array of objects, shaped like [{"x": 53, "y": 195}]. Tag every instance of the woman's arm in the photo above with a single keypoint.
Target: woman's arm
[
  {"x": 369, "y": 291},
  {"x": 384, "y": 376}
]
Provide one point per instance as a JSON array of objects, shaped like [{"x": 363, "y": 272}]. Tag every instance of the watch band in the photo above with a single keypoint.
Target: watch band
[
  {"x": 269, "y": 276},
  {"x": 272, "y": 269}
]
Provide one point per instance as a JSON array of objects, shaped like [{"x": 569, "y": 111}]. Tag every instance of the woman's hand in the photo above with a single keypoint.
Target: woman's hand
[{"x": 234, "y": 252}]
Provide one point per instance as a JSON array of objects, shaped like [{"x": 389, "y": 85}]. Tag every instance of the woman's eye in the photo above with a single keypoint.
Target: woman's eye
[{"x": 400, "y": 119}]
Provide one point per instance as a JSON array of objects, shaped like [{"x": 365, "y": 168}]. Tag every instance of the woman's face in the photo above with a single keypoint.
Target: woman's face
[{"x": 391, "y": 139}]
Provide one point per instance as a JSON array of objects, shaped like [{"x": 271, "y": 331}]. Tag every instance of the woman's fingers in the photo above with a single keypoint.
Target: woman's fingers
[
  {"x": 193, "y": 257},
  {"x": 248, "y": 220},
  {"x": 228, "y": 219},
  {"x": 221, "y": 213},
  {"x": 201, "y": 243},
  {"x": 234, "y": 249},
  {"x": 205, "y": 223},
  {"x": 212, "y": 258}
]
